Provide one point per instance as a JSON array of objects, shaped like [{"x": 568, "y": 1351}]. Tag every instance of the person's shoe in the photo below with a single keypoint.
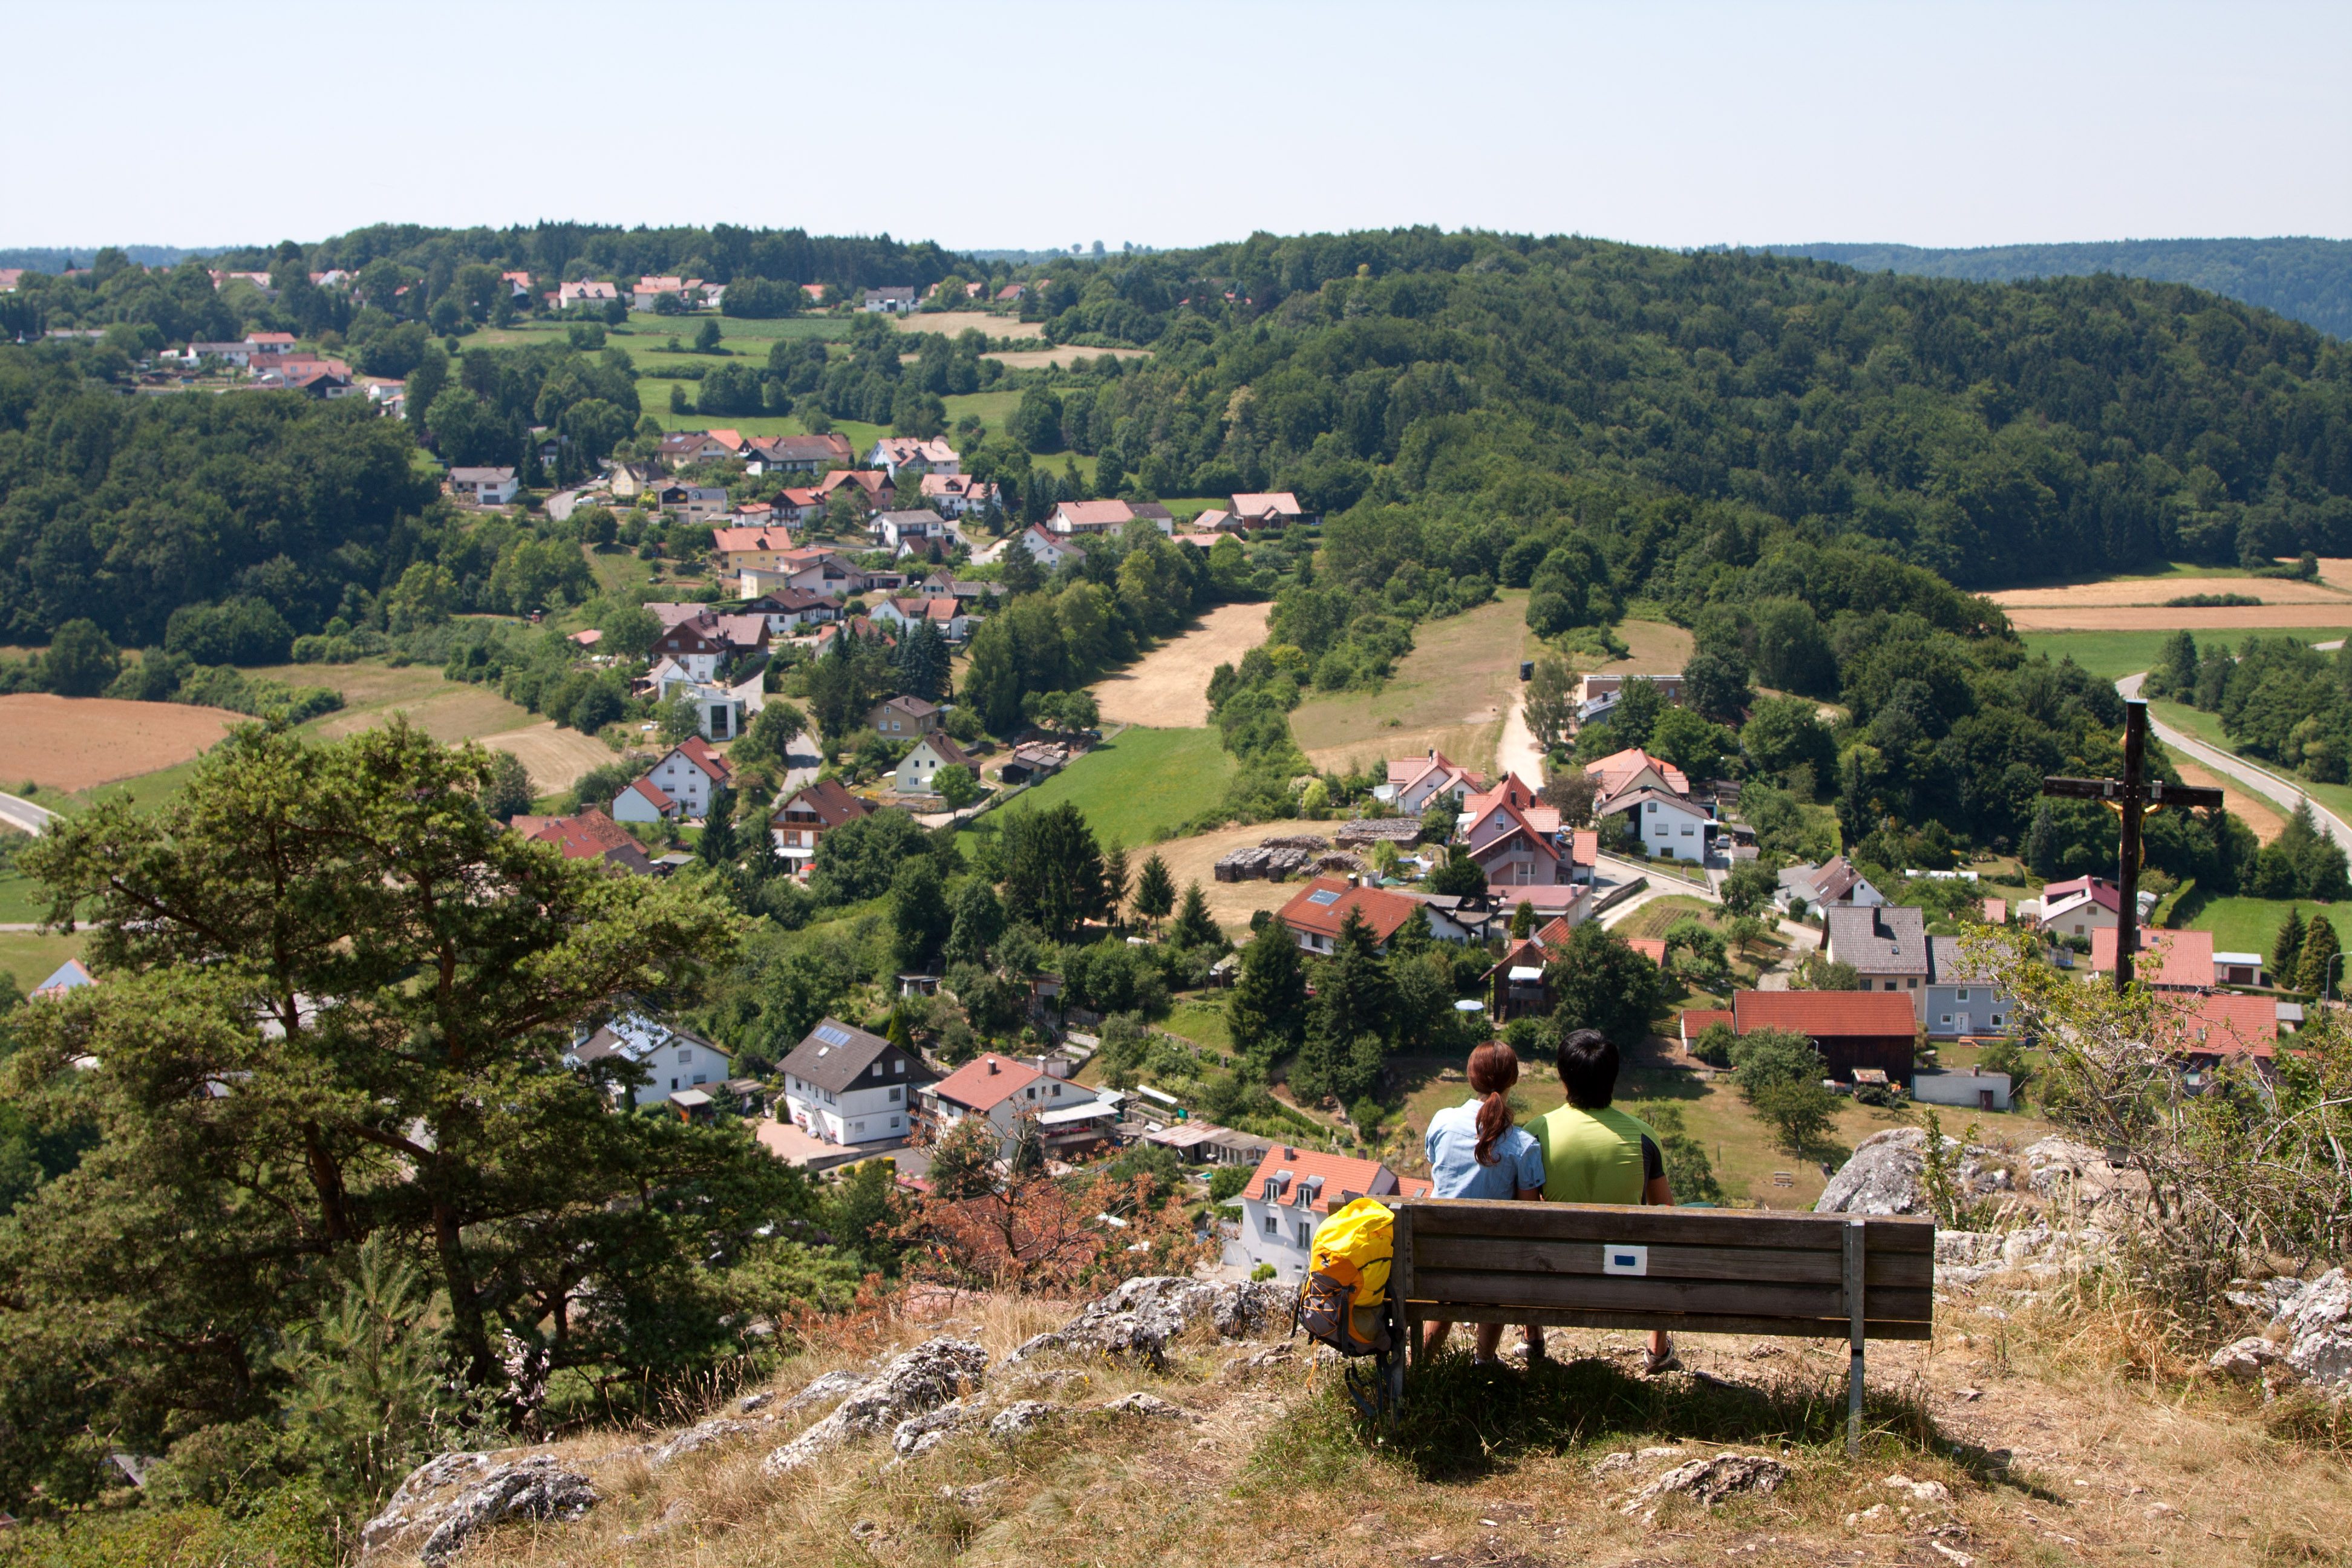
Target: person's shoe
[
  {"x": 1658, "y": 1364},
  {"x": 1536, "y": 1352}
]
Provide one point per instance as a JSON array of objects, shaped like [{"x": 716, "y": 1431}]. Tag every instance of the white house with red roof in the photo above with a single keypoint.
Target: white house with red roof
[
  {"x": 1007, "y": 1092},
  {"x": 1043, "y": 547},
  {"x": 688, "y": 775},
  {"x": 1633, "y": 769},
  {"x": 918, "y": 770},
  {"x": 589, "y": 836},
  {"x": 762, "y": 549},
  {"x": 584, "y": 291},
  {"x": 646, "y": 802},
  {"x": 1292, "y": 1193},
  {"x": 692, "y": 648},
  {"x": 1276, "y": 509},
  {"x": 1317, "y": 912},
  {"x": 957, "y": 494},
  {"x": 1415, "y": 782},
  {"x": 933, "y": 456},
  {"x": 1668, "y": 826},
  {"x": 1074, "y": 517}
]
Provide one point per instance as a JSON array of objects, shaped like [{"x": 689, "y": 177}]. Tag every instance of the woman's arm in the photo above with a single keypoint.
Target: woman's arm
[{"x": 1530, "y": 1195}]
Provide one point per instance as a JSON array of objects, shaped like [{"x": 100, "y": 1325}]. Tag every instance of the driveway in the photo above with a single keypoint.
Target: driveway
[
  {"x": 24, "y": 814},
  {"x": 2275, "y": 787},
  {"x": 1517, "y": 753},
  {"x": 802, "y": 761}
]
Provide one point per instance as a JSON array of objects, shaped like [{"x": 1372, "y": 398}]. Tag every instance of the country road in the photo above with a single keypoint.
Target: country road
[
  {"x": 2275, "y": 787},
  {"x": 24, "y": 814}
]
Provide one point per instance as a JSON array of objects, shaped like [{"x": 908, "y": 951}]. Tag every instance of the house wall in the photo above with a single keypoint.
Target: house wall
[
  {"x": 680, "y": 1063},
  {"x": 684, "y": 782},
  {"x": 1912, "y": 985},
  {"x": 1967, "y": 1088},
  {"x": 1288, "y": 1245},
  {"x": 631, "y": 806},
  {"x": 1668, "y": 832},
  {"x": 860, "y": 1116},
  {"x": 1956, "y": 1010}
]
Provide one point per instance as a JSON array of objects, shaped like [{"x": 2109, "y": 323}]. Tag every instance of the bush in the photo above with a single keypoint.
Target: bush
[
  {"x": 1226, "y": 1182},
  {"x": 241, "y": 632}
]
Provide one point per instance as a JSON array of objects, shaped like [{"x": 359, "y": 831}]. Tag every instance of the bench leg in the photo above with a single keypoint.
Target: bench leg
[{"x": 1854, "y": 1306}]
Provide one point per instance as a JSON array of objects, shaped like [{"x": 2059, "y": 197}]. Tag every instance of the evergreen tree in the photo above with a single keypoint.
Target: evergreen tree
[
  {"x": 1053, "y": 869},
  {"x": 1460, "y": 876},
  {"x": 1353, "y": 995},
  {"x": 1193, "y": 928},
  {"x": 1115, "y": 876},
  {"x": 1268, "y": 1012},
  {"x": 717, "y": 844},
  {"x": 1523, "y": 922},
  {"x": 978, "y": 921},
  {"x": 900, "y": 1035},
  {"x": 2175, "y": 674},
  {"x": 2287, "y": 949},
  {"x": 1155, "y": 890},
  {"x": 2316, "y": 969},
  {"x": 919, "y": 910},
  {"x": 2040, "y": 850},
  {"x": 508, "y": 795}
]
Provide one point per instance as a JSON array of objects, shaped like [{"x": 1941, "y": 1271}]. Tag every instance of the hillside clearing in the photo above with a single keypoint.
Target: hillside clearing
[
  {"x": 2113, "y": 654},
  {"x": 68, "y": 743},
  {"x": 1139, "y": 784},
  {"x": 2251, "y": 925},
  {"x": 1449, "y": 692},
  {"x": 1168, "y": 688},
  {"x": 552, "y": 757}
]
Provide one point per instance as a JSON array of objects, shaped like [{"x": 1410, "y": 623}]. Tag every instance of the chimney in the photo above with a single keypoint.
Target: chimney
[
  {"x": 992, "y": 1065},
  {"x": 1288, "y": 1153}
]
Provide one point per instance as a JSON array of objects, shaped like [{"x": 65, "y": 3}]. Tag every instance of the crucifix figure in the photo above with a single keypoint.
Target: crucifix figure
[{"x": 2131, "y": 797}]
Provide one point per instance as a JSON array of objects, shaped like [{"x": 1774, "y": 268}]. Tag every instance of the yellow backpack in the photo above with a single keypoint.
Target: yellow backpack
[{"x": 1340, "y": 1304}]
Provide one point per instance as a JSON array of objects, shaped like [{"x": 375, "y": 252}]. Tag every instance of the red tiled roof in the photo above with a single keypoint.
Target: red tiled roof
[
  {"x": 728, "y": 539},
  {"x": 1696, "y": 1021},
  {"x": 985, "y": 1084},
  {"x": 653, "y": 791},
  {"x": 1653, "y": 948},
  {"x": 1585, "y": 846},
  {"x": 1340, "y": 1174},
  {"x": 1275, "y": 504},
  {"x": 1094, "y": 513},
  {"x": 2225, "y": 1024},
  {"x": 698, "y": 749},
  {"x": 1823, "y": 1014},
  {"x": 1556, "y": 932},
  {"x": 1384, "y": 911},
  {"x": 1617, "y": 767},
  {"x": 590, "y": 836},
  {"x": 2180, "y": 959}
]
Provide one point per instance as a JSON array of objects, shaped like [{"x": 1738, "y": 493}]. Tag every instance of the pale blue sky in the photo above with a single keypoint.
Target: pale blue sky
[{"x": 1032, "y": 125}]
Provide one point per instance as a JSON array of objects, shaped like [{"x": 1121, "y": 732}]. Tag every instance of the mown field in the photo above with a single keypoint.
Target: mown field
[
  {"x": 2116, "y": 654},
  {"x": 2251, "y": 925},
  {"x": 1141, "y": 784}
]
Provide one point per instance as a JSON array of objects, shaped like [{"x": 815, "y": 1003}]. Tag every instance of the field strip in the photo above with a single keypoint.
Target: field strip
[{"x": 2158, "y": 618}]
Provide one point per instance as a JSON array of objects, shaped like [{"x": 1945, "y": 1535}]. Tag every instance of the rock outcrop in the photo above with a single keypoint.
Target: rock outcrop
[
  {"x": 1143, "y": 1316},
  {"x": 920, "y": 1381},
  {"x": 452, "y": 1497},
  {"x": 1709, "y": 1481},
  {"x": 2315, "y": 1326},
  {"x": 1887, "y": 1174}
]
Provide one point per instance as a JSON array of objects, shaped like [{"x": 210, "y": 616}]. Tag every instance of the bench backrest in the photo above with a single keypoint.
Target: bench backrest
[{"x": 1698, "y": 1270}]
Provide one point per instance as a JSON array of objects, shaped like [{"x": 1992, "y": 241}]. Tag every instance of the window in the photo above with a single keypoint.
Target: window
[
  {"x": 894, "y": 1124},
  {"x": 1948, "y": 1017},
  {"x": 1890, "y": 985},
  {"x": 1272, "y": 1225},
  {"x": 894, "y": 1094},
  {"x": 700, "y": 1077},
  {"x": 686, "y": 1054},
  {"x": 1996, "y": 1020},
  {"x": 1650, "y": 807},
  {"x": 1306, "y": 1233},
  {"x": 1960, "y": 995},
  {"x": 1913, "y": 982},
  {"x": 1688, "y": 830},
  {"x": 1058, "y": 1091}
]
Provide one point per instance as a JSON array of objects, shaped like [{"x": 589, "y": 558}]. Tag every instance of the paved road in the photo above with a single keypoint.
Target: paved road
[
  {"x": 801, "y": 762},
  {"x": 24, "y": 814},
  {"x": 2276, "y": 787}
]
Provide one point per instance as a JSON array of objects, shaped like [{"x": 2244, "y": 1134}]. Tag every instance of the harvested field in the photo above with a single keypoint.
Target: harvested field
[
  {"x": 1168, "y": 689},
  {"x": 2253, "y": 810},
  {"x": 1653, "y": 648},
  {"x": 1030, "y": 359},
  {"x": 445, "y": 709},
  {"x": 2332, "y": 612},
  {"x": 1449, "y": 692},
  {"x": 2155, "y": 591},
  {"x": 67, "y": 743},
  {"x": 954, "y": 321},
  {"x": 552, "y": 757}
]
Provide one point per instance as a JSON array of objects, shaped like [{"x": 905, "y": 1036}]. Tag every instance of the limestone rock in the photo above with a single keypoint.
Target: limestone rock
[
  {"x": 751, "y": 1403},
  {"x": 1919, "y": 1491},
  {"x": 452, "y": 1497},
  {"x": 1149, "y": 1405},
  {"x": 2248, "y": 1361},
  {"x": 1709, "y": 1481},
  {"x": 1885, "y": 1174},
  {"x": 1020, "y": 1418},
  {"x": 922, "y": 1380},
  {"x": 919, "y": 1435},
  {"x": 829, "y": 1389},
  {"x": 1142, "y": 1316},
  {"x": 2318, "y": 1320},
  {"x": 697, "y": 1437}
]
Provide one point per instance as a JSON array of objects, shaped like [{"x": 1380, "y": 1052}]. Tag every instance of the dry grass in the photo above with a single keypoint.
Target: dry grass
[
  {"x": 1449, "y": 692},
  {"x": 1230, "y": 903},
  {"x": 1168, "y": 689},
  {"x": 70, "y": 743},
  {"x": 552, "y": 757},
  {"x": 954, "y": 321},
  {"x": 2141, "y": 618},
  {"x": 2156, "y": 591},
  {"x": 1032, "y": 359},
  {"x": 2254, "y": 812}
]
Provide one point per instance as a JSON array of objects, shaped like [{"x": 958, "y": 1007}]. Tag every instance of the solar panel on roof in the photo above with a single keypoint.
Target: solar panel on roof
[
  {"x": 831, "y": 1035},
  {"x": 1326, "y": 896}
]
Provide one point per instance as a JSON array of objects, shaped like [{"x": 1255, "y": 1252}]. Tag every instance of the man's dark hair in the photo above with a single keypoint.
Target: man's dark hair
[{"x": 1588, "y": 1068}]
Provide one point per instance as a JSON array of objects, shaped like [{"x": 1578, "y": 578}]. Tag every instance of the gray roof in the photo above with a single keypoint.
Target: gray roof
[
  {"x": 1882, "y": 940},
  {"x": 835, "y": 1055},
  {"x": 1950, "y": 967}
]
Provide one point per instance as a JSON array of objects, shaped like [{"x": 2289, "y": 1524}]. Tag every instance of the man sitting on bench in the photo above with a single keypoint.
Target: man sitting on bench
[{"x": 1593, "y": 1154}]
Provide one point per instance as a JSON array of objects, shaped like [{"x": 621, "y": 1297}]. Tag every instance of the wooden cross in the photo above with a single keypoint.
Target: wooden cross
[{"x": 2132, "y": 797}]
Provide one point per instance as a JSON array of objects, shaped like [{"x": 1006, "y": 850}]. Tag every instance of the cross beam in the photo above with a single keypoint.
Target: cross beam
[{"x": 2133, "y": 796}]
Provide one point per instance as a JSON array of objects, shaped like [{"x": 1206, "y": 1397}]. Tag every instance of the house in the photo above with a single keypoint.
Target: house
[
  {"x": 946, "y": 614},
  {"x": 1597, "y": 694},
  {"x": 1962, "y": 999},
  {"x": 1076, "y": 517},
  {"x": 1516, "y": 985},
  {"x": 694, "y": 652},
  {"x": 869, "y": 488},
  {"x": 1216, "y": 520},
  {"x": 957, "y": 494},
  {"x": 681, "y": 447},
  {"x": 228, "y": 354},
  {"x": 1157, "y": 516},
  {"x": 1316, "y": 913},
  {"x": 1820, "y": 887},
  {"x": 70, "y": 976},
  {"x": 1515, "y": 844},
  {"x": 669, "y": 1061},
  {"x": 645, "y": 801},
  {"x": 918, "y": 770},
  {"x": 1887, "y": 946},
  {"x": 1277, "y": 509},
  {"x": 1416, "y": 782},
  {"x": 787, "y": 609},
  {"x": 585, "y": 291},
  {"x": 800, "y": 821},
  {"x": 846, "y": 1086},
  {"x": 1668, "y": 826},
  {"x": 483, "y": 487},
  {"x": 2167, "y": 960},
  {"x": 2081, "y": 907},
  {"x": 1030, "y": 763},
  {"x": 650, "y": 289},
  {"x": 590, "y": 836},
  {"x": 812, "y": 571},
  {"x": 1292, "y": 1193},
  {"x": 269, "y": 342},
  {"x": 906, "y": 531},
  {"x": 689, "y": 773},
  {"x": 893, "y": 302},
  {"x": 1621, "y": 773},
  {"x": 1007, "y": 1092},
  {"x": 1044, "y": 548},
  {"x": 798, "y": 454},
  {"x": 738, "y": 547},
  {"x": 1851, "y": 1029},
  {"x": 630, "y": 480},
  {"x": 1011, "y": 292},
  {"x": 934, "y": 455},
  {"x": 1975, "y": 1090},
  {"x": 902, "y": 717},
  {"x": 694, "y": 503},
  {"x": 2241, "y": 969},
  {"x": 2202, "y": 1032}
]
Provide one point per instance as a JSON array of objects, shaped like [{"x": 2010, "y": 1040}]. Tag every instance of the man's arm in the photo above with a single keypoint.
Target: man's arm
[{"x": 1655, "y": 1189}]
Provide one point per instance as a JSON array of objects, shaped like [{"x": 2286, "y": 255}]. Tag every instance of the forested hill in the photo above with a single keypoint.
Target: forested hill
[
  {"x": 2309, "y": 279},
  {"x": 1993, "y": 434}
]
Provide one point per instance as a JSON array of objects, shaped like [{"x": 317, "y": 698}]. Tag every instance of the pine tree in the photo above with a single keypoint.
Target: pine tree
[
  {"x": 1155, "y": 890},
  {"x": 1523, "y": 922},
  {"x": 2286, "y": 949},
  {"x": 2321, "y": 950},
  {"x": 1353, "y": 994},
  {"x": 1193, "y": 928},
  {"x": 1115, "y": 876},
  {"x": 1268, "y": 1012},
  {"x": 717, "y": 846},
  {"x": 2039, "y": 851}
]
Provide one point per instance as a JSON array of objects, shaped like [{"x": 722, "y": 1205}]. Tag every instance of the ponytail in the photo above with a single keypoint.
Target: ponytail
[{"x": 1494, "y": 1068}]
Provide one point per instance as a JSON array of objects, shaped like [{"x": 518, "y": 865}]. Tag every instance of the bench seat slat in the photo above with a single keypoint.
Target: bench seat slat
[
  {"x": 1599, "y": 1292},
  {"x": 1781, "y": 1266},
  {"x": 1714, "y": 1227},
  {"x": 1680, "y": 1323}
]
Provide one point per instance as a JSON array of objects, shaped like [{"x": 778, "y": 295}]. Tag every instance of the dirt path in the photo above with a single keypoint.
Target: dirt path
[
  {"x": 79, "y": 742},
  {"x": 1168, "y": 689},
  {"x": 1517, "y": 753}
]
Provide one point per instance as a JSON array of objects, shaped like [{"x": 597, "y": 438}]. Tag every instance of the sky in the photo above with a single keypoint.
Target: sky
[{"x": 1170, "y": 125}]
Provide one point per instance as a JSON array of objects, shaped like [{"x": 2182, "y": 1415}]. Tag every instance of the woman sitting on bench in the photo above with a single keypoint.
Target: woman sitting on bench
[
  {"x": 1475, "y": 1152},
  {"x": 1592, "y": 1154}
]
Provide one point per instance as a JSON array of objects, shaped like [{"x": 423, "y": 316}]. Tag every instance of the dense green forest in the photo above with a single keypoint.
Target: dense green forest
[{"x": 2309, "y": 279}]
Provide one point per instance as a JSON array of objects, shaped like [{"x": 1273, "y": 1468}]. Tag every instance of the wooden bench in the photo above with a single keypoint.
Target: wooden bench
[{"x": 1689, "y": 1271}]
